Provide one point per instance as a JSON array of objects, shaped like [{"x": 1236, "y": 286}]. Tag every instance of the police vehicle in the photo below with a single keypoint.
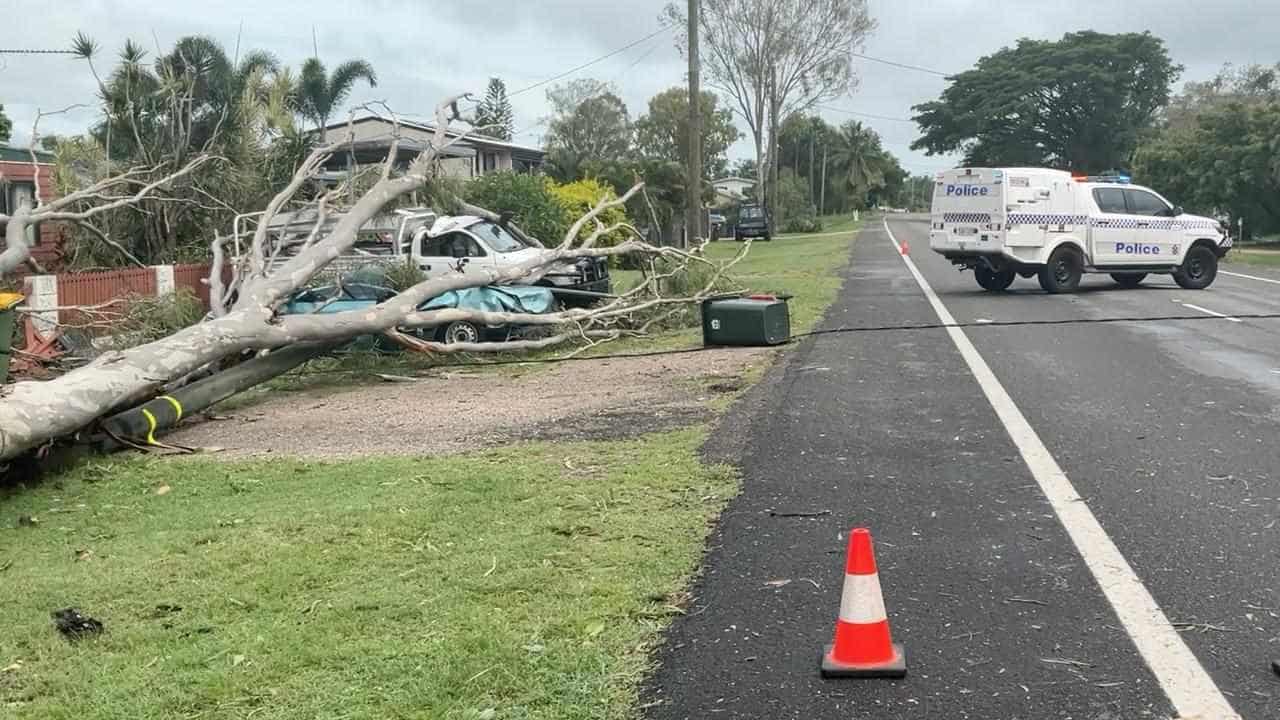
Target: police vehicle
[{"x": 1050, "y": 224}]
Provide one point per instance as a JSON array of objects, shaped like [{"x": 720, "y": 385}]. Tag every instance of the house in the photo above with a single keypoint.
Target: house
[
  {"x": 469, "y": 157},
  {"x": 732, "y": 190},
  {"x": 18, "y": 185}
]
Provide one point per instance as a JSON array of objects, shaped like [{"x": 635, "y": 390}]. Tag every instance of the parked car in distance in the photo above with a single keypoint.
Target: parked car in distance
[{"x": 753, "y": 221}]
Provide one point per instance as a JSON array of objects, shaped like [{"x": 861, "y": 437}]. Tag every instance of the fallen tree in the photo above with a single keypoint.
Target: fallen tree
[{"x": 246, "y": 314}]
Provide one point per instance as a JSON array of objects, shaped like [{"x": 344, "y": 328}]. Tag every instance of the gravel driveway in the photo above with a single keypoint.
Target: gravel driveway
[{"x": 453, "y": 410}]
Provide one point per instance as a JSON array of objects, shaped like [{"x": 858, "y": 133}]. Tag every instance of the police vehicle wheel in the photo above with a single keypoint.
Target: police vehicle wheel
[
  {"x": 1198, "y": 269},
  {"x": 1062, "y": 273},
  {"x": 994, "y": 281},
  {"x": 1128, "y": 280},
  {"x": 460, "y": 331}
]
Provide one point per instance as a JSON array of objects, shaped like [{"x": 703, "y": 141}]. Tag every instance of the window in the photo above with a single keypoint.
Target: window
[
  {"x": 752, "y": 212},
  {"x": 490, "y": 162},
  {"x": 14, "y": 193},
  {"x": 1144, "y": 203},
  {"x": 454, "y": 245},
  {"x": 1110, "y": 200},
  {"x": 497, "y": 237}
]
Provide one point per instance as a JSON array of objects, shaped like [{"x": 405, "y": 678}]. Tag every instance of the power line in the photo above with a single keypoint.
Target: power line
[
  {"x": 566, "y": 73},
  {"x": 866, "y": 115},
  {"x": 904, "y": 66},
  {"x": 817, "y": 333},
  {"x": 10, "y": 51}
]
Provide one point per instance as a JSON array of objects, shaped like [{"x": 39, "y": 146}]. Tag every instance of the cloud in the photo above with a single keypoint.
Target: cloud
[{"x": 424, "y": 51}]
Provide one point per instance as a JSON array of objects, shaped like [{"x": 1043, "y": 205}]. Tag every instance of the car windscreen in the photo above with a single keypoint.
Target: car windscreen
[
  {"x": 752, "y": 213},
  {"x": 497, "y": 237}
]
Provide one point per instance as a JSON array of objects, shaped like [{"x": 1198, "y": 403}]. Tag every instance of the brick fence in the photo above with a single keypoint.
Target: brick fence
[{"x": 49, "y": 296}]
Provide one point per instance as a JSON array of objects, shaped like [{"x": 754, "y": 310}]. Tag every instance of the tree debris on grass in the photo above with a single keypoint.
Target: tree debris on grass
[{"x": 74, "y": 625}]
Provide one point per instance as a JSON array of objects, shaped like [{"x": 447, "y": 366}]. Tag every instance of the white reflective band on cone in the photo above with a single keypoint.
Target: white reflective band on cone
[{"x": 861, "y": 601}]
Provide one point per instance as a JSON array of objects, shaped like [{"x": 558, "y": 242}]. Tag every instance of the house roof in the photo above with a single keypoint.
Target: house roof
[
  {"x": 472, "y": 138},
  {"x": 23, "y": 155},
  {"x": 733, "y": 178}
]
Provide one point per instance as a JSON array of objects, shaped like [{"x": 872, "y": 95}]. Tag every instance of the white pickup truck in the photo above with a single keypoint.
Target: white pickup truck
[
  {"x": 436, "y": 245},
  {"x": 1033, "y": 222}
]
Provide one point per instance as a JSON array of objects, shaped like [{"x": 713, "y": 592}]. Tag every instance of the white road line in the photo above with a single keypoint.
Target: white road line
[
  {"x": 1250, "y": 277},
  {"x": 1175, "y": 667},
  {"x": 1207, "y": 311}
]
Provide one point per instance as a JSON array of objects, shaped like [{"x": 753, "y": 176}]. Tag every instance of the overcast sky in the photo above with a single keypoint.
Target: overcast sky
[{"x": 425, "y": 49}]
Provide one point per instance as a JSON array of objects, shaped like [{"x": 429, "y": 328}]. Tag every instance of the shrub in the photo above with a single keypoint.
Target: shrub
[
  {"x": 577, "y": 199},
  {"x": 147, "y": 319},
  {"x": 529, "y": 198},
  {"x": 795, "y": 211}
]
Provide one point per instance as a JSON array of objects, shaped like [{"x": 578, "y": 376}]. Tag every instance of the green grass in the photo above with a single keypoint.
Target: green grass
[
  {"x": 522, "y": 583},
  {"x": 1263, "y": 254},
  {"x": 531, "y": 581}
]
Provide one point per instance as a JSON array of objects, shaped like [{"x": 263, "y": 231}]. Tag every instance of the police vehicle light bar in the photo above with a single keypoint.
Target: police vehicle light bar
[{"x": 1118, "y": 178}]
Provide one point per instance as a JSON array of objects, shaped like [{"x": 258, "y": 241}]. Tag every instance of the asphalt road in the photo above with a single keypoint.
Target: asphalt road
[{"x": 1165, "y": 429}]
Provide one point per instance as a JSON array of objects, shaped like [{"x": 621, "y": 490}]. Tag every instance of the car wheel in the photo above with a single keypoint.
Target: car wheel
[
  {"x": 994, "y": 281},
  {"x": 1062, "y": 273},
  {"x": 460, "y": 331},
  {"x": 1198, "y": 269},
  {"x": 1128, "y": 280}
]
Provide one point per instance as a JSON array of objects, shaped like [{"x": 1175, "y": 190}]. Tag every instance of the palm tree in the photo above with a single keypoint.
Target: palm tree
[
  {"x": 857, "y": 153},
  {"x": 319, "y": 93}
]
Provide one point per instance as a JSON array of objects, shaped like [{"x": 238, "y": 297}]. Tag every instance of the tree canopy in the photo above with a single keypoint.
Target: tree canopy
[
  {"x": 1219, "y": 149},
  {"x": 494, "y": 113},
  {"x": 773, "y": 58},
  {"x": 192, "y": 100},
  {"x": 589, "y": 123},
  {"x": 1081, "y": 103},
  {"x": 320, "y": 93},
  {"x": 663, "y": 133},
  {"x": 6, "y": 125}
]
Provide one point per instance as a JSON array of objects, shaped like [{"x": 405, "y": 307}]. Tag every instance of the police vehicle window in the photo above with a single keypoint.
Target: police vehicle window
[
  {"x": 751, "y": 213},
  {"x": 1144, "y": 203},
  {"x": 1110, "y": 200}
]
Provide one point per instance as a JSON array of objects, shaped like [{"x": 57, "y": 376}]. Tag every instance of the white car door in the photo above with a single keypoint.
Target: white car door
[
  {"x": 1156, "y": 238},
  {"x": 1112, "y": 231},
  {"x": 456, "y": 251}
]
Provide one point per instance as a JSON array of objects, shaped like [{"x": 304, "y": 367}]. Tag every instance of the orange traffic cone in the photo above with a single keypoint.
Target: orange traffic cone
[
  {"x": 863, "y": 646},
  {"x": 905, "y": 248}
]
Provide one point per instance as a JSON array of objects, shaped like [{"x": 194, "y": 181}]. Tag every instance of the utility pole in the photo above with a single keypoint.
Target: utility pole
[
  {"x": 822, "y": 191},
  {"x": 811, "y": 188},
  {"x": 693, "y": 176}
]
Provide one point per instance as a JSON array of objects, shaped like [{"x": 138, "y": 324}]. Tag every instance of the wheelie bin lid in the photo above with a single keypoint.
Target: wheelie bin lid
[{"x": 8, "y": 300}]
